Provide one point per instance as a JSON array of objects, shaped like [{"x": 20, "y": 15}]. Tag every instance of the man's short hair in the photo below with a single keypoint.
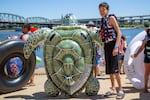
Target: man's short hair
[
  {"x": 27, "y": 26},
  {"x": 104, "y": 4}
]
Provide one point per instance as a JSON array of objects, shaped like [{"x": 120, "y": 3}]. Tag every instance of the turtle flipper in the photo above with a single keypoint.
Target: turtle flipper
[
  {"x": 34, "y": 40},
  {"x": 92, "y": 87},
  {"x": 51, "y": 89}
]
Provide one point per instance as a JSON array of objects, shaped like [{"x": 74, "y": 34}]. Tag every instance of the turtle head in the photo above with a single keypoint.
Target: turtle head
[
  {"x": 34, "y": 40},
  {"x": 69, "y": 20}
]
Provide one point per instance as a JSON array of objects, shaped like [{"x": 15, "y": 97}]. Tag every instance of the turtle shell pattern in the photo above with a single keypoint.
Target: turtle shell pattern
[{"x": 68, "y": 56}]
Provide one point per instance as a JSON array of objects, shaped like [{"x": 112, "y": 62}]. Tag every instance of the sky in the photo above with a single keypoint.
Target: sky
[{"x": 82, "y": 9}]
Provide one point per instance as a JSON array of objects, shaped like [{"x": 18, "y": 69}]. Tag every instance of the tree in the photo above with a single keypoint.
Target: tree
[{"x": 146, "y": 24}]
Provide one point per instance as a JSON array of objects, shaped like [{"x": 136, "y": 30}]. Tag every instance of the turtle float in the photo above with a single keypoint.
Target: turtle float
[{"x": 69, "y": 57}]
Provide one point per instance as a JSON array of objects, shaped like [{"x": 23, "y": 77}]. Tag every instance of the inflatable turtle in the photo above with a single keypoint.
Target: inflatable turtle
[{"x": 69, "y": 56}]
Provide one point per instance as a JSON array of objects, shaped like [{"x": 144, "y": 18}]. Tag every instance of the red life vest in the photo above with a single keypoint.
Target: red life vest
[{"x": 33, "y": 29}]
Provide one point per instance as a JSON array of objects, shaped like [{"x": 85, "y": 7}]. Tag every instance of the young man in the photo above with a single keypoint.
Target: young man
[{"x": 111, "y": 36}]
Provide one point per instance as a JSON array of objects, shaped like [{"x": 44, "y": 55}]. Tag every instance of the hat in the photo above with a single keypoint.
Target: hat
[{"x": 91, "y": 23}]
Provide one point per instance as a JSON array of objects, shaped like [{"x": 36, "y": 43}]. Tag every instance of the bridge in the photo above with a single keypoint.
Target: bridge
[
  {"x": 141, "y": 19},
  {"x": 17, "y": 19},
  {"x": 8, "y": 18},
  {"x": 12, "y": 18}
]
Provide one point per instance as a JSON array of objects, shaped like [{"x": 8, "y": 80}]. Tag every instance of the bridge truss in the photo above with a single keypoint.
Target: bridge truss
[{"x": 12, "y": 18}]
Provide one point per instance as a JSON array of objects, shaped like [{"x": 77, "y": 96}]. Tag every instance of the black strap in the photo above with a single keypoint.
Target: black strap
[{"x": 107, "y": 32}]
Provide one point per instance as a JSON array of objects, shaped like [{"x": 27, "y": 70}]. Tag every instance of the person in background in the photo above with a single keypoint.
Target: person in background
[
  {"x": 91, "y": 26},
  {"x": 24, "y": 37},
  {"x": 98, "y": 56},
  {"x": 96, "y": 70},
  {"x": 146, "y": 46},
  {"x": 124, "y": 43},
  {"x": 25, "y": 32},
  {"x": 122, "y": 49},
  {"x": 111, "y": 36}
]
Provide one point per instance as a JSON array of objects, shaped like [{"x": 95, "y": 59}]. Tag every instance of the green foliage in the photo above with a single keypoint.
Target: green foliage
[{"x": 146, "y": 24}]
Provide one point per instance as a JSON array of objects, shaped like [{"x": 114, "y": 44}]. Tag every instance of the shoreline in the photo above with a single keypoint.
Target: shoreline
[
  {"x": 13, "y": 30},
  {"x": 7, "y": 30},
  {"x": 131, "y": 28}
]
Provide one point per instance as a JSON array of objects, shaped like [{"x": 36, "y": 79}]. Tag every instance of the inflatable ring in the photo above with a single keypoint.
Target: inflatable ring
[
  {"x": 11, "y": 49},
  {"x": 134, "y": 67}
]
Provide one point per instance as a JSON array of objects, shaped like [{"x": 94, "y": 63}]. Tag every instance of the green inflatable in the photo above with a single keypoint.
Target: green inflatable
[{"x": 69, "y": 57}]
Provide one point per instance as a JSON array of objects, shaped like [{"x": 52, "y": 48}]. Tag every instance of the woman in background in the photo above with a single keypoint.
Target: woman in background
[
  {"x": 24, "y": 37},
  {"x": 146, "y": 46}
]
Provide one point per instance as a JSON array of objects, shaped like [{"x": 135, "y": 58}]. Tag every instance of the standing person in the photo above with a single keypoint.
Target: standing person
[
  {"x": 96, "y": 70},
  {"x": 91, "y": 26},
  {"x": 25, "y": 32},
  {"x": 122, "y": 49},
  {"x": 111, "y": 36},
  {"x": 98, "y": 55},
  {"x": 24, "y": 37},
  {"x": 146, "y": 46}
]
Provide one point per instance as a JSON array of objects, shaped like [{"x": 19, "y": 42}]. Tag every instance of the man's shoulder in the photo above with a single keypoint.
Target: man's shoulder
[{"x": 112, "y": 16}]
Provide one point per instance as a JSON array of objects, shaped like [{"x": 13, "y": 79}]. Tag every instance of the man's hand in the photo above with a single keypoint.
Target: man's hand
[{"x": 115, "y": 52}]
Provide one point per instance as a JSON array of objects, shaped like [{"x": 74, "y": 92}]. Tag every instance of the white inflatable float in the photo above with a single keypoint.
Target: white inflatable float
[{"x": 134, "y": 67}]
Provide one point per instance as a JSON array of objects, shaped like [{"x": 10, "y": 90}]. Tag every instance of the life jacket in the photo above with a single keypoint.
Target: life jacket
[
  {"x": 33, "y": 29},
  {"x": 147, "y": 47},
  {"x": 108, "y": 32}
]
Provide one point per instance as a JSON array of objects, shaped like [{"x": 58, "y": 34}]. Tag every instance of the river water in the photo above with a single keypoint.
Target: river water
[{"x": 129, "y": 33}]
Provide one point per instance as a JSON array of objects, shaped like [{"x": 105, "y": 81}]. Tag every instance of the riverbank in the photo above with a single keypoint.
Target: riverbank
[
  {"x": 7, "y": 30},
  {"x": 136, "y": 27},
  {"x": 37, "y": 92}
]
